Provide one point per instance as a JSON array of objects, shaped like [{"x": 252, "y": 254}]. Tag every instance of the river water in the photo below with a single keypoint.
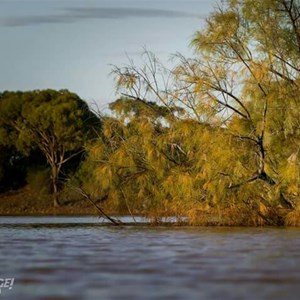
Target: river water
[{"x": 82, "y": 258}]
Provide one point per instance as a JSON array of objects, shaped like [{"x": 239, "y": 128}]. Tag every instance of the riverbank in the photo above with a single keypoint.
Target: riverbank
[{"x": 25, "y": 202}]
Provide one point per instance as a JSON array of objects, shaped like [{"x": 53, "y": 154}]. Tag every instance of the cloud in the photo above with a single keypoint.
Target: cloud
[
  {"x": 74, "y": 14},
  {"x": 124, "y": 12},
  {"x": 34, "y": 20}
]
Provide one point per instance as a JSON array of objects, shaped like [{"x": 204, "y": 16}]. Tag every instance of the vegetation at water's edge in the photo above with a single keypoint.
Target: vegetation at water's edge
[{"x": 216, "y": 138}]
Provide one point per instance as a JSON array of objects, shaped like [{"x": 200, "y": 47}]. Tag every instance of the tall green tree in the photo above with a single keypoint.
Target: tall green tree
[{"x": 58, "y": 123}]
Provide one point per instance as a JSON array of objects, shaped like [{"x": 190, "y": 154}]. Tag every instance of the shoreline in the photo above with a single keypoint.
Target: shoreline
[{"x": 26, "y": 203}]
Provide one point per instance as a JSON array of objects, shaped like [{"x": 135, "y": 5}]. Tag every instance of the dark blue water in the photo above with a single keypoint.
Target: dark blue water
[{"x": 81, "y": 258}]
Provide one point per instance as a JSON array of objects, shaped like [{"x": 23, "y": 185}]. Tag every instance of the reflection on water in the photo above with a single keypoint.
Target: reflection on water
[{"x": 79, "y": 258}]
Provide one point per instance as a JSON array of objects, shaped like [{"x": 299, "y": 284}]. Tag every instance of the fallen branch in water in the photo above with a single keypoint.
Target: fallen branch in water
[{"x": 86, "y": 196}]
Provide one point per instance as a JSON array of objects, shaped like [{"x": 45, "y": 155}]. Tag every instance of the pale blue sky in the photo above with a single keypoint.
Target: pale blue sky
[{"x": 71, "y": 43}]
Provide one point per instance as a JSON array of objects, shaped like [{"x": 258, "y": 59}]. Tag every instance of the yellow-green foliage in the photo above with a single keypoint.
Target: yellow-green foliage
[{"x": 221, "y": 143}]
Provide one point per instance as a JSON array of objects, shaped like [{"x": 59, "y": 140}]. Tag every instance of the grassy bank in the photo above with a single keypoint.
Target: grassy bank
[{"x": 26, "y": 202}]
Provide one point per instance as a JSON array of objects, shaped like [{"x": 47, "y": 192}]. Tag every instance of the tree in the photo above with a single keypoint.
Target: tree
[
  {"x": 243, "y": 83},
  {"x": 248, "y": 65},
  {"x": 124, "y": 158},
  {"x": 58, "y": 123}
]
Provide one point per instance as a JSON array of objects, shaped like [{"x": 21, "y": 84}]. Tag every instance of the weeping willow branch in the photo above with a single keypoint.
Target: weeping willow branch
[
  {"x": 99, "y": 209},
  {"x": 235, "y": 186}
]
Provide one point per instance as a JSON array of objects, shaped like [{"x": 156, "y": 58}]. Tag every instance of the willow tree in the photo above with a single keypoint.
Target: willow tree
[
  {"x": 129, "y": 163},
  {"x": 56, "y": 122},
  {"x": 243, "y": 82},
  {"x": 248, "y": 66}
]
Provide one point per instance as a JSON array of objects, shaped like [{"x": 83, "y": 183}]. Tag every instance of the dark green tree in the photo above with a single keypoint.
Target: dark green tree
[{"x": 58, "y": 123}]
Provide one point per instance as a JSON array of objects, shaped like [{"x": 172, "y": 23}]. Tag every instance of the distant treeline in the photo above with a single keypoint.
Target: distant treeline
[{"x": 215, "y": 139}]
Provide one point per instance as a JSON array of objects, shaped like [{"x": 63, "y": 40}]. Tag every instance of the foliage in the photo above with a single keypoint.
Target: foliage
[
  {"x": 38, "y": 180},
  {"x": 235, "y": 142},
  {"x": 57, "y": 123}
]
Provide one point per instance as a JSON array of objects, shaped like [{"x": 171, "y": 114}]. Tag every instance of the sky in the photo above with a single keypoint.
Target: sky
[{"x": 72, "y": 44}]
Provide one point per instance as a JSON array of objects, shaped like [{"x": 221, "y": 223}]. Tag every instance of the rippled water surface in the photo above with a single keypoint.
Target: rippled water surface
[{"x": 80, "y": 258}]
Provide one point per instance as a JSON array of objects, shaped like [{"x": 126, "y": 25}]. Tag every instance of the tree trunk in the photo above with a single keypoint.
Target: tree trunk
[{"x": 55, "y": 195}]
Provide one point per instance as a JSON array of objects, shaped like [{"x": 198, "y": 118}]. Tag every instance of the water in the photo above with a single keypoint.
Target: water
[{"x": 80, "y": 258}]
